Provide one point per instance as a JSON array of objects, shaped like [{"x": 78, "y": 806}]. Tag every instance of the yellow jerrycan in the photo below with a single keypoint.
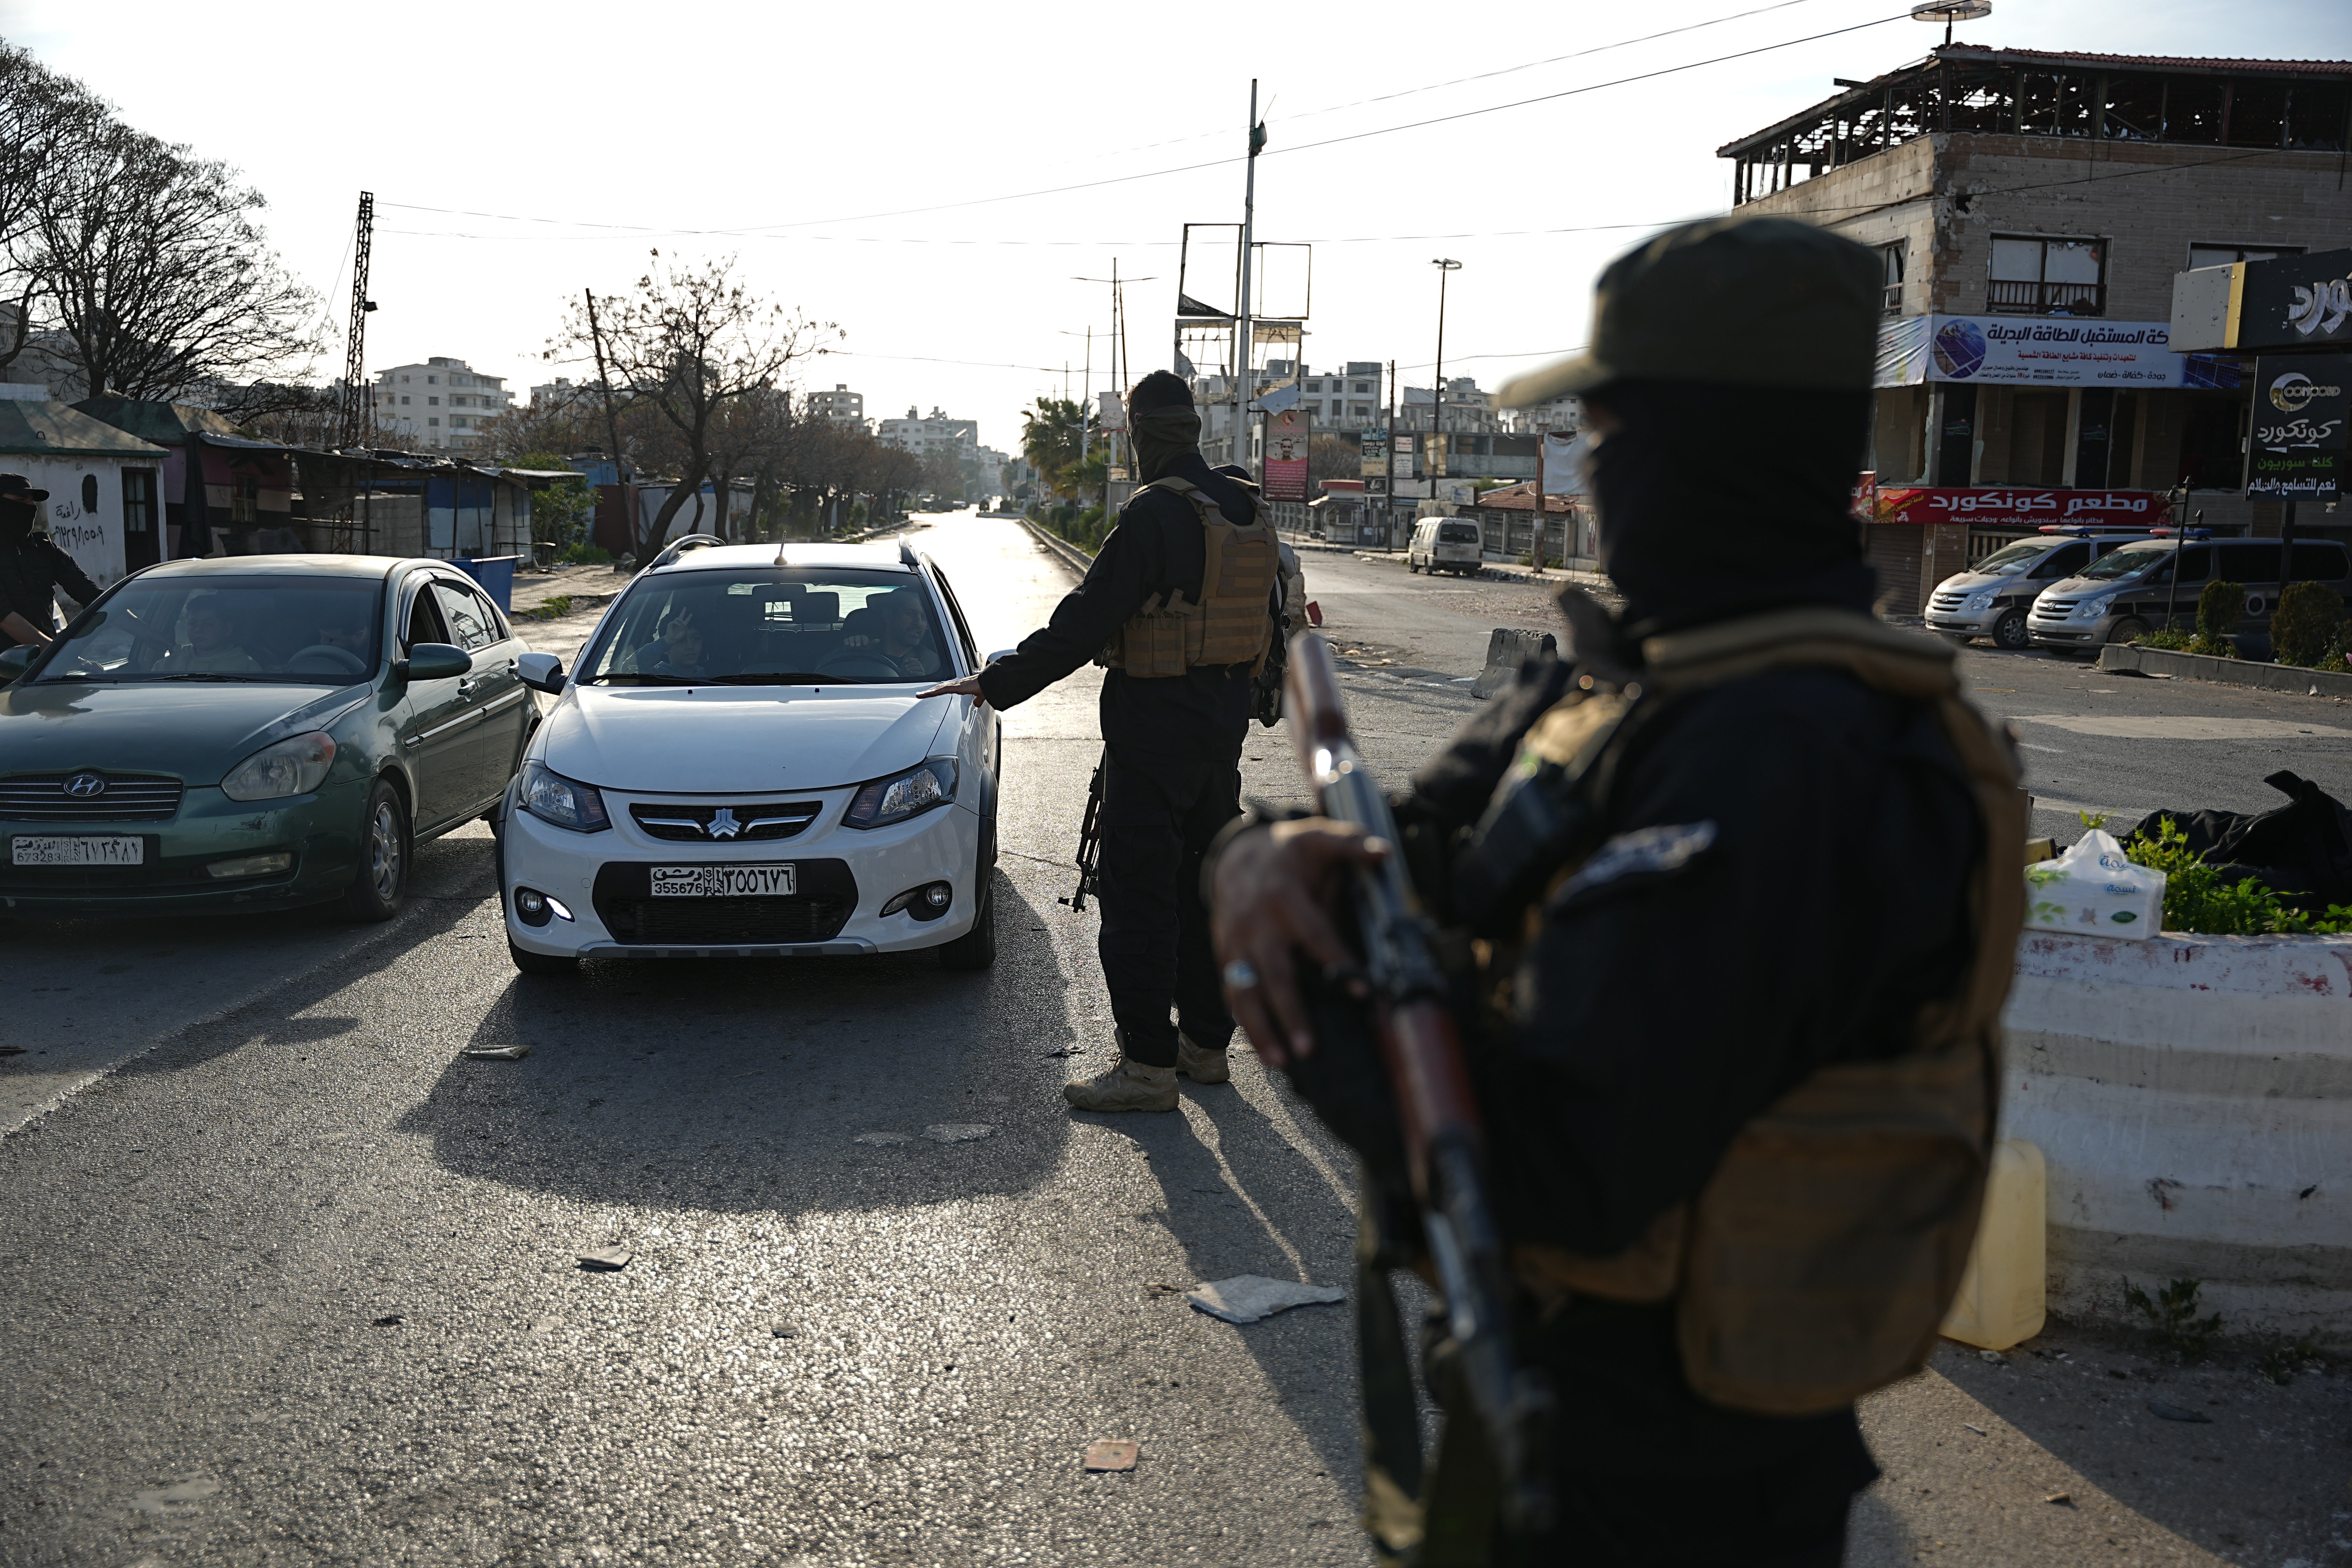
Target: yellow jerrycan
[{"x": 2000, "y": 1302}]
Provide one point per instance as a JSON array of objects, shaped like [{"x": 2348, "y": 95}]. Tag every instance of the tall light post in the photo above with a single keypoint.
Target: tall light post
[{"x": 1445, "y": 266}]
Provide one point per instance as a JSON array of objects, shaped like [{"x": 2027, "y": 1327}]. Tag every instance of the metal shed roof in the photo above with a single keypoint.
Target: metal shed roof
[{"x": 53, "y": 429}]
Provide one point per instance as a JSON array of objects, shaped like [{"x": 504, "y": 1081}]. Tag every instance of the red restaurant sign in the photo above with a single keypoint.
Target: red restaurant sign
[{"x": 1999, "y": 505}]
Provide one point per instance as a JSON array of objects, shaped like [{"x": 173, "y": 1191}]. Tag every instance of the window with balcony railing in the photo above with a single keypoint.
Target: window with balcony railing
[{"x": 2036, "y": 274}]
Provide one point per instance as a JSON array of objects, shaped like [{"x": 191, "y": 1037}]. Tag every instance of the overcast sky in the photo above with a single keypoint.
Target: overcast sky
[{"x": 520, "y": 153}]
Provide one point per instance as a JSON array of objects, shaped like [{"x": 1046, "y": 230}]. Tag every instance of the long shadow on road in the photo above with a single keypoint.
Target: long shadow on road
[{"x": 745, "y": 1087}]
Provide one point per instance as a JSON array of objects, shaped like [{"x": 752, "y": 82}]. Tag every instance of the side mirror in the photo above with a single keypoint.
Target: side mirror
[
  {"x": 433, "y": 661},
  {"x": 14, "y": 661},
  {"x": 542, "y": 672},
  {"x": 1000, "y": 653}
]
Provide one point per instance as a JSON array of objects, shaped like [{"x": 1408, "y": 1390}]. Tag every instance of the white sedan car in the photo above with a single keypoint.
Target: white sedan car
[{"x": 741, "y": 764}]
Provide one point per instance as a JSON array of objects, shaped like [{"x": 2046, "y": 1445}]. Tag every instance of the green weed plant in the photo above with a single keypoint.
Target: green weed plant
[{"x": 2172, "y": 1313}]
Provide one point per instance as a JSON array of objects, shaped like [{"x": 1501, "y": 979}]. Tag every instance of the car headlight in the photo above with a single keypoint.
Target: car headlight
[
  {"x": 919, "y": 789},
  {"x": 293, "y": 766},
  {"x": 1981, "y": 600},
  {"x": 2090, "y": 609},
  {"x": 567, "y": 803}
]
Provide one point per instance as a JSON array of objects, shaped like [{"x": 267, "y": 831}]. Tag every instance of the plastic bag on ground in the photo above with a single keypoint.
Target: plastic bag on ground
[{"x": 2092, "y": 889}]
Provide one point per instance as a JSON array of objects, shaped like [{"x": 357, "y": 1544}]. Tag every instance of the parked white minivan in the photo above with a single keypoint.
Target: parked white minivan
[{"x": 1444, "y": 545}]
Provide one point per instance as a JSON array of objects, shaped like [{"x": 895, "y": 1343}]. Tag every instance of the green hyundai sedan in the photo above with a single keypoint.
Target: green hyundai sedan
[{"x": 254, "y": 733}]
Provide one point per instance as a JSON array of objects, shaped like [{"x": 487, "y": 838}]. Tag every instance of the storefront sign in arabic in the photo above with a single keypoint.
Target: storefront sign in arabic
[
  {"x": 2041, "y": 351},
  {"x": 1999, "y": 505},
  {"x": 2295, "y": 302},
  {"x": 2296, "y": 443},
  {"x": 1376, "y": 456}
]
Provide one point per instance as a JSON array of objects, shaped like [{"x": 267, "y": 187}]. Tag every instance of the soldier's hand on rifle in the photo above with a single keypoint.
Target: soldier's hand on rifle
[
  {"x": 1274, "y": 897},
  {"x": 968, "y": 686}
]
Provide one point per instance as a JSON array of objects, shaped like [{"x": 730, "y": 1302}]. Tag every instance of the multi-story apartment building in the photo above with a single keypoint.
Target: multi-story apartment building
[
  {"x": 1561, "y": 415},
  {"x": 1354, "y": 398},
  {"x": 2030, "y": 210},
  {"x": 937, "y": 433},
  {"x": 564, "y": 393},
  {"x": 439, "y": 405},
  {"x": 1466, "y": 408},
  {"x": 840, "y": 407}
]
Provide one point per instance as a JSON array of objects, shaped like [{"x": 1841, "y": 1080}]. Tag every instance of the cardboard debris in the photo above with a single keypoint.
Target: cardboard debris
[
  {"x": 604, "y": 1259},
  {"x": 1247, "y": 1297},
  {"x": 1112, "y": 1454}
]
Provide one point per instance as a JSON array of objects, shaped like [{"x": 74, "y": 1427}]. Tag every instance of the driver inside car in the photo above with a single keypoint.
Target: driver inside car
[
  {"x": 906, "y": 635},
  {"x": 215, "y": 645},
  {"x": 679, "y": 652}
]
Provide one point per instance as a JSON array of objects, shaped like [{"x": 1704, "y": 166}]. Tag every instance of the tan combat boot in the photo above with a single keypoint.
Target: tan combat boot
[
  {"x": 1130, "y": 1085},
  {"x": 1199, "y": 1065}
]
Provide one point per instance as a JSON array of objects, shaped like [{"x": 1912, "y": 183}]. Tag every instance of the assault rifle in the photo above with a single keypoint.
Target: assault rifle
[
  {"x": 1421, "y": 1051},
  {"x": 1089, "y": 844}
]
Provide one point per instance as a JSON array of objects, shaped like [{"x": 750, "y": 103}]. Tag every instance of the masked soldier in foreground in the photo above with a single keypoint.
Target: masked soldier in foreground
[
  {"x": 1733, "y": 893},
  {"x": 1179, "y": 605}
]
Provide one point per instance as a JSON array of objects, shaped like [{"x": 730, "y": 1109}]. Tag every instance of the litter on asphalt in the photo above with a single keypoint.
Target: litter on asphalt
[
  {"x": 1975, "y": 1428},
  {"x": 1112, "y": 1454},
  {"x": 1247, "y": 1297},
  {"x": 2157, "y": 1407},
  {"x": 2067, "y": 1497},
  {"x": 604, "y": 1259},
  {"x": 884, "y": 1138},
  {"x": 497, "y": 1053}
]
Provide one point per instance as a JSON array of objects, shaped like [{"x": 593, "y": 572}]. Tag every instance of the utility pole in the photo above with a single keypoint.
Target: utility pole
[
  {"x": 612, "y": 428},
  {"x": 359, "y": 406},
  {"x": 1389, "y": 502},
  {"x": 1540, "y": 437},
  {"x": 1241, "y": 321},
  {"x": 1445, "y": 268}
]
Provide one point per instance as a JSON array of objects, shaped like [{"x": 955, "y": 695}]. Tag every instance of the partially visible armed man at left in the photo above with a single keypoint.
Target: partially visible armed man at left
[{"x": 32, "y": 568}]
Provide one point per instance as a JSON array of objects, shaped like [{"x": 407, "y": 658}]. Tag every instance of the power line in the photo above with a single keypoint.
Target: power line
[{"x": 762, "y": 231}]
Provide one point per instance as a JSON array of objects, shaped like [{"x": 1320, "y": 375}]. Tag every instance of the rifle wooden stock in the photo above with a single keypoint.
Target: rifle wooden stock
[{"x": 1422, "y": 1050}]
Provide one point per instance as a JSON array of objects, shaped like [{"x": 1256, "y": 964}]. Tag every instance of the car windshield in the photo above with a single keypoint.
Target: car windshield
[
  {"x": 2130, "y": 560},
  {"x": 2010, "y": 560},
  {"x": 771, "y": 626},
  {"x": 280, "y": 628}
]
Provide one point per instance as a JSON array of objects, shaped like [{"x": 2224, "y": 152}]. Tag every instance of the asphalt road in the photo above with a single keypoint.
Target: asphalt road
[{"x": 288, "y": 1279}]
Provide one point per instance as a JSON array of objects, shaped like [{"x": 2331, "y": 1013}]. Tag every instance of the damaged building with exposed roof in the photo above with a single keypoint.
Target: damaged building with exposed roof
[{"x": 2030, "y": 209}]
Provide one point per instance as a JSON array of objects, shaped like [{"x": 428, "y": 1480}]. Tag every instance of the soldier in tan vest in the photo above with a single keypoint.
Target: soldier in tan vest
[
  {"x": 1734, "y": 890},
  {"x": 1180, "y": 606}
]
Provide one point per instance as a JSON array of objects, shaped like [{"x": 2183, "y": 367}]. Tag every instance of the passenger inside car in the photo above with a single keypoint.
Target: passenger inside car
[
  {"x": 678, "y": 653},
  {"x": 215, "y": 641},
  {"x": 899, "y": 629}
]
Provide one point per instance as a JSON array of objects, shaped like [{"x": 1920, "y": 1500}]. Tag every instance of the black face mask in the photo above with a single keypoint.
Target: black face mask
[
  {"x": 16, "y": 520},
  {"x": 1716, "y": 501},
  {"x": 1162, "y": 436}
]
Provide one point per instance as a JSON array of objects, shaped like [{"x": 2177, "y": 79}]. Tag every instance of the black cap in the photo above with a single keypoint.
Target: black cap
[{"x": 18, "y": 485}]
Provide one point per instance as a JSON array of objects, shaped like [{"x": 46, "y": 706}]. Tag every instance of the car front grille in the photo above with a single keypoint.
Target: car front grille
[
  {"x": 125, "y": 797},
  {"x": 2053, "y": 609},
  {"x": 725, "y": 822},
  {"x": 827, "y": 896},
  {"x": 1946, "y": 602}
]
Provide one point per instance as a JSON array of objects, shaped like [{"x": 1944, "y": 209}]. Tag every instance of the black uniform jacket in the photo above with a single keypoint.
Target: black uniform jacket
[
  {"x": 1156, "y": 546},
  {"x": 30, "y": 575},
  {"x": 1664, "y": 1001}
]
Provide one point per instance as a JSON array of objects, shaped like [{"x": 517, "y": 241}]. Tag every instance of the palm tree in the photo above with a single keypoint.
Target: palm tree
[{"x": 1052, "y": 436}]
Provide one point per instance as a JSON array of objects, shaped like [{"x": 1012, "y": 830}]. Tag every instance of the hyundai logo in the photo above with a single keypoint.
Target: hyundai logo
[
  {"x": 86, "y": 786},
  {"x": 723, "y": 823}
]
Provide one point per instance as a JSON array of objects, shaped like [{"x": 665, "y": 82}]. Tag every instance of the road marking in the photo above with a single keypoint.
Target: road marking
[{"x": 2179, "y": 726}]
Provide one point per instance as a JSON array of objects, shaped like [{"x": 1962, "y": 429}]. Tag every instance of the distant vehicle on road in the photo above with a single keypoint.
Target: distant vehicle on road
[
  {"x": 2123, "y": 594},
  {"x": 742, "y": 765},
  {"x": 1444, "y": 545},
  {"x": 253, "y": 732},
  {"x": 1992, "y": 598}
]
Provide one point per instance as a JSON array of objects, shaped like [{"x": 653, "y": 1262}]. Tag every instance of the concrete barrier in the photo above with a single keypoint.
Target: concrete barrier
[
  {"x": 1507, "y": 649},
  {"x": 2130, "y": 658},
  {"x": 2192, "y": 1096}
]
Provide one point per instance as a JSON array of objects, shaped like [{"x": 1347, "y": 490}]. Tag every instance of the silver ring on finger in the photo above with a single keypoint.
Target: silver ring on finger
[{"x": 1240, "y": 975}]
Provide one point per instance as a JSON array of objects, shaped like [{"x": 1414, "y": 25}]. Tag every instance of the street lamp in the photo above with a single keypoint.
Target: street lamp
[
  {"x": 2179, "y": 499},
  {"x": 1437, "y": 400}
]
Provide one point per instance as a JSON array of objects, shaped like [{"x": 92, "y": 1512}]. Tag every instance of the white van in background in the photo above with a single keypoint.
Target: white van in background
[{"x": 1444, "y": 545}]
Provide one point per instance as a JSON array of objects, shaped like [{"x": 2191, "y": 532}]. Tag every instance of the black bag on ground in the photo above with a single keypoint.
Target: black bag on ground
[{"x": 2302, "y": 850}]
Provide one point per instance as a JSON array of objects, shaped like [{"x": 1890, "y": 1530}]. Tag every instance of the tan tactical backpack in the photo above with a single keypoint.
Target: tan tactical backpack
[{"x": 1231, "y": 625}]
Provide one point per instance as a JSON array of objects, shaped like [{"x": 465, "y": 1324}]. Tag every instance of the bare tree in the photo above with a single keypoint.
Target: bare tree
[
  {"x": 159, "y": 278},
  {"x": 685, "y": 344},
  {"x": 45, "y": 121}
]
